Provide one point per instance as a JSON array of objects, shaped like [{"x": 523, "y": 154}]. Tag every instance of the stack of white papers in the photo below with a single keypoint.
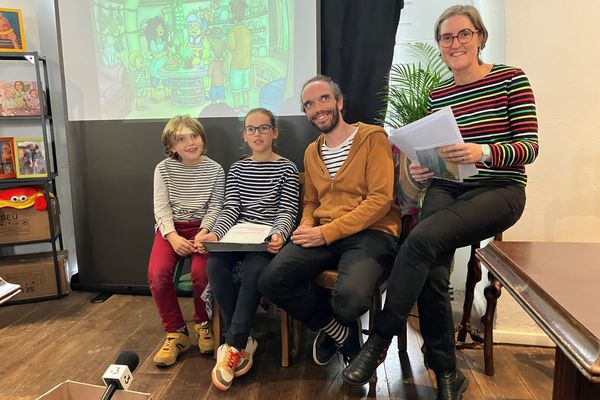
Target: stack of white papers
[
  {"x": 422, "y": 140},
  {"x": 8, "y": 290},
  {"x": 245, "y": 236}
]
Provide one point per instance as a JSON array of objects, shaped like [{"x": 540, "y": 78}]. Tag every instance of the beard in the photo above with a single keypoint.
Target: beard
[{"x": 335, "y": 120}]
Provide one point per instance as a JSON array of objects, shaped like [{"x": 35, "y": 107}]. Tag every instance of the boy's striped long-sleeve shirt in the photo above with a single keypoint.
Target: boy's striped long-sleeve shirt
[
  {"x": 498, "y": 110},
  {"x": 187, "y": 193}
]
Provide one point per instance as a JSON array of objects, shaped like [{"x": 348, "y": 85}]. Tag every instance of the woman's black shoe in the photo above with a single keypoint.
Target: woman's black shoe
[
  {"x": 451, "y": 385},
  {"x": 362, "y": 368}
]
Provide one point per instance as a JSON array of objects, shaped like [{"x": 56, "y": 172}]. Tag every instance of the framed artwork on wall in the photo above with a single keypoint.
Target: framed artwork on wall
[
  {"x": 19, "y": 98},
  {"x": 7, "y": 152},
  {"x": 31, "y": 158},
  {"x": 12, "y": 32}
]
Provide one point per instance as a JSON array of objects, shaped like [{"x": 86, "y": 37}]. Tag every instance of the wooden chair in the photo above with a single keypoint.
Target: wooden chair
[
  {"x": 491, "y": 292},
  {"x": 286, "y": 324}
]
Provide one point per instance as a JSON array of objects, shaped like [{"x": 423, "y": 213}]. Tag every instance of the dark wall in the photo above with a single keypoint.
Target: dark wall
[{"x": 112, "y": 175}]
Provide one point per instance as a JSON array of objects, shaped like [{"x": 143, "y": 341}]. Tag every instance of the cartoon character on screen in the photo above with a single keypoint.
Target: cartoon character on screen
[
  {"x": 197, "y": 41},
  {"x": 216, "y": 72},
  {"x": 110, "y": 44},
  {"x": 239, "y": 44},
  {"x": 156, "y": 34},
  {"x": 7, "y": 32},
  {"x": 139, "y": 78}
]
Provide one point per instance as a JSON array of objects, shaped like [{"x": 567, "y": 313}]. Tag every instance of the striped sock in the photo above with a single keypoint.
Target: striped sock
[{"x": 336, "y": 331}]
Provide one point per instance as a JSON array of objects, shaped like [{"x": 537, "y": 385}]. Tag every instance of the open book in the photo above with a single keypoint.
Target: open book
[
  {"x": 422, "y": 139},
  {"x": 245, "y": 236},
  {"x": 8, "y": 290}
]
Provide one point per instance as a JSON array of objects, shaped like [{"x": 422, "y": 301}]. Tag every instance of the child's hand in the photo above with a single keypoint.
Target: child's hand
[
  {"x": 275, "y": 243},
  {"x": 203, "y": 237},
  {"x": 180, "y": 245}
]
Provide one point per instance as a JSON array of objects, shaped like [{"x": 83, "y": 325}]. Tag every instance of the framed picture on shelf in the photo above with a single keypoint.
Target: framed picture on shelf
[
  {"x": 7, "y": 151},
  {"x": 18, "y": 98},
  {"x": 12, "y": 33},
  {"x": 31, "y": 158}
]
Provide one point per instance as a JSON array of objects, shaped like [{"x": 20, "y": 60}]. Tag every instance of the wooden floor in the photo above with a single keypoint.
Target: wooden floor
[{"x": 43, "y": 344}]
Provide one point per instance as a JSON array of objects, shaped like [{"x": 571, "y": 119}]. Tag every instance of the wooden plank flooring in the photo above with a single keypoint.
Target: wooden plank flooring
[{"x": 43, "y": 344}]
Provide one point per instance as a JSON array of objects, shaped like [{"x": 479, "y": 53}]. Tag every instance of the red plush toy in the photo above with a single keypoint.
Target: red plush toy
[{"x": 23, "y": 197}]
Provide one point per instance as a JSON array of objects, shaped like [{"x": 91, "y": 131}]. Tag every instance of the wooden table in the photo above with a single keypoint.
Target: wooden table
[{"x": 558, "y": 285}]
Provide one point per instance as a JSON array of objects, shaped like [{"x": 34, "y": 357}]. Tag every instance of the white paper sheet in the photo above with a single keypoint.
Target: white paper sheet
[
  {"x": 431, "y": 132},
  {"x": 246, "y": 232},
  {"x": 244, "y": 236}
]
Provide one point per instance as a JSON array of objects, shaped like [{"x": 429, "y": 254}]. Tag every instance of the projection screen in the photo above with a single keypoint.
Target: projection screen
[{"x": 147, "y": 59}]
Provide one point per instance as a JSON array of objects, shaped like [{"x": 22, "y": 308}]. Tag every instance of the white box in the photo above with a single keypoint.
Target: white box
[{"x": 70, "y": 390}]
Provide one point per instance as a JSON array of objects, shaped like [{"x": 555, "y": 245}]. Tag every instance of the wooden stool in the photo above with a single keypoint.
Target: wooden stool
[{"x": 491, "y": 292}]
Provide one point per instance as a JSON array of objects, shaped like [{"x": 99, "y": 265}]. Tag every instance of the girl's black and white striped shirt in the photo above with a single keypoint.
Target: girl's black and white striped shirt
[
  {"x": 263, "y": 192},
  {"x": 187, "y": 193}
]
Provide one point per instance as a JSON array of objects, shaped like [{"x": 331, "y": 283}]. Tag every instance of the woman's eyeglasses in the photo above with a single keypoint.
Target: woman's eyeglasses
[
  {"x": 464, "y": 37},
  {"x": 262, "y": 129}
]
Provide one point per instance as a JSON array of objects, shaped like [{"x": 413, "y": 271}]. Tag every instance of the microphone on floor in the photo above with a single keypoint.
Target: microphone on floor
[{"x": 118, "y": 375}]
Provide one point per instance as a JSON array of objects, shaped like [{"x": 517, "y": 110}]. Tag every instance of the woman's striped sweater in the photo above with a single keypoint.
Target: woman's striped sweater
[{"x": 498, "y": 110}]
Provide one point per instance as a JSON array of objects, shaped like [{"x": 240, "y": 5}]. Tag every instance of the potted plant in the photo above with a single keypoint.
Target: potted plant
[{"x": 410, "y": 84}]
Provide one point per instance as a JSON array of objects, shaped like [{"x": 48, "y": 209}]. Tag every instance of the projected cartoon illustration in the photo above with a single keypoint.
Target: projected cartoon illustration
[{"x": 161, "y": 58}]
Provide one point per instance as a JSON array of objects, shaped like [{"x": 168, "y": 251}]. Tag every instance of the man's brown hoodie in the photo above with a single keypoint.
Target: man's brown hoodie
[{"x": 360, "y": 196}]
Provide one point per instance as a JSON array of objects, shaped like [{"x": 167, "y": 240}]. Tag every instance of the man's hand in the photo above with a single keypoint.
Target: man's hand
[
  {"x": 275, "y": 243},
  {"x": 203, "y": 237},
  {"x": 308, "y": 236},
  {"x": 180, "y": 245}
]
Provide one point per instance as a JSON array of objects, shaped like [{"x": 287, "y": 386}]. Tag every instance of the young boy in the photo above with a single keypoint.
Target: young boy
[{"x": 188, "y": 195}]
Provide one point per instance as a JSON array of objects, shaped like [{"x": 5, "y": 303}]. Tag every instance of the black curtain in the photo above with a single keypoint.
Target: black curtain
[{"x": 357, "y": 46}]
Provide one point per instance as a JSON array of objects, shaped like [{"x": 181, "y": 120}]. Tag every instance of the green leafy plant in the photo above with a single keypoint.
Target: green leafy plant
[{"x": 410, "y": 85}]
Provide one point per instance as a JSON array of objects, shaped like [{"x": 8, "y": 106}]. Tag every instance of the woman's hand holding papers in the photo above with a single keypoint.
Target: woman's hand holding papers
[
  {"x": 462, "y": 153},
  {"x": 418, "y": 173}
]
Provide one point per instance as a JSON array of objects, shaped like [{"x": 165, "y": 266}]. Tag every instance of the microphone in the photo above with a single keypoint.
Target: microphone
[{"x": 118, "y": 375}]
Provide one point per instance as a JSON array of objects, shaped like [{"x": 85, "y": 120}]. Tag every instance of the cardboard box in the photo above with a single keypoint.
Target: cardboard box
[
  {"x": 35, "y": 273},
  {"x": 28, "y": 224},
  {"x": 70, "y": 390}
]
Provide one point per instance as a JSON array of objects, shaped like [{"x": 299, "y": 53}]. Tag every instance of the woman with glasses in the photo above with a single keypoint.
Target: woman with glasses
[
  {"x": 262, "y": 189},
  {"x": 495, "y": 110}
]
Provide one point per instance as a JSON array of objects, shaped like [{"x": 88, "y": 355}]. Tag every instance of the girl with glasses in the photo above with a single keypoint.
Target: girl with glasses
[{"x": 262, "y": 188}]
